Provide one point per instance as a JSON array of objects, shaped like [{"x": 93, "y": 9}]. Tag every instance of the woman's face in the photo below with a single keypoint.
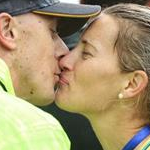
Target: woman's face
[{"x": 91, "y": 75}]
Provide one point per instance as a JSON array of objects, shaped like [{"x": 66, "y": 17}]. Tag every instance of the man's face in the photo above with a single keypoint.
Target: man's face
[{"x": 35, "y": 67}]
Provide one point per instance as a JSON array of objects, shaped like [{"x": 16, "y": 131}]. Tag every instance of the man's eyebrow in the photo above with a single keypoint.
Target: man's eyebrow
[{"x": 53, "y": 30}]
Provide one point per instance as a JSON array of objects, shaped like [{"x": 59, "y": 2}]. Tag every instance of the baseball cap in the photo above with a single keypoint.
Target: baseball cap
[{"x": 72, "y": 16}]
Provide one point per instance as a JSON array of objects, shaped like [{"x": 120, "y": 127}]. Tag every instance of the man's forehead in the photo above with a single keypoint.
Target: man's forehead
[{"x": 52, "y": 21}]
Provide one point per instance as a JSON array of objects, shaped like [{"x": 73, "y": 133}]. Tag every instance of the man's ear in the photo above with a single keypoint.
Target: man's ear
[
  {"x": 136, "y": 84},
  {"x": 6, "y": 31}
]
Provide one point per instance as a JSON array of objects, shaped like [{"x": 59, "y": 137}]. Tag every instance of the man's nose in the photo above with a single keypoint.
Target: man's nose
[{"x": 61, "y": 49}]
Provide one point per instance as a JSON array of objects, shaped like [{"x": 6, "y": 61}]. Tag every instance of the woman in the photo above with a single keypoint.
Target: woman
[{"x": 106, "y": 77}]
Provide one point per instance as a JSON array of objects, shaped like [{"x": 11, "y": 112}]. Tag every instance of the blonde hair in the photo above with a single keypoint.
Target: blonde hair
[{"x": 133, "y": 42}]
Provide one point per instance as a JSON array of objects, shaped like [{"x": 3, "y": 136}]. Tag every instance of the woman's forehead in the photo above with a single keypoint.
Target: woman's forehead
[
  {"x": 102, "y": 24},
  {"x": 104, "y": 31}
]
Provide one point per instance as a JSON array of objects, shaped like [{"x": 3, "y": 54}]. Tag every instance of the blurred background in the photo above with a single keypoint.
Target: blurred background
[{"x": 72, "y": 1}]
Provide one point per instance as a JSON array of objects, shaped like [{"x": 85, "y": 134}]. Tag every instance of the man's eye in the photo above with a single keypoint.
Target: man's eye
[{"x": 54, "y": 33}]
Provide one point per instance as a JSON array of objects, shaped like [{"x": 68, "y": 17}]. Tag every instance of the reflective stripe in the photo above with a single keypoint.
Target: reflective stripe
[
  {"x": 146, "y": 146},
  {"x": 66, "y": 15}
]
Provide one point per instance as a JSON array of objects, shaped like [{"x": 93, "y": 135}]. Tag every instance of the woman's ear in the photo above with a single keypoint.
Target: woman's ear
[
  {"x": 136, "y": 84},
  {"x": 7, "y": 36}
]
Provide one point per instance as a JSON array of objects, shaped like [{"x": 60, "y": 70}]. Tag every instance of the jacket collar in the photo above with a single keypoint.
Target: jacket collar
[{"x": 5, "y": 78}]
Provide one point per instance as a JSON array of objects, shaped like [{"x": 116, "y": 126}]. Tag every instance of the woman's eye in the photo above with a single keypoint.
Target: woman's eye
[{"x": 86, "y": 55}]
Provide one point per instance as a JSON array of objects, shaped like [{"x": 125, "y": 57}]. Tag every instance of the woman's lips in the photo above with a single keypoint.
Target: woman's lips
[{"x": 63, "y": 81}]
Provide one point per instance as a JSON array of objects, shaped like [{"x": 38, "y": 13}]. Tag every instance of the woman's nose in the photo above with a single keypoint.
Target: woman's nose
[{"x": 66, "y": 63}]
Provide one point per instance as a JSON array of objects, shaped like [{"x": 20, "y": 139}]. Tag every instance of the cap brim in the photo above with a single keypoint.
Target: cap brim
[
  {"x": 70, "y": 10},
  {"x": 73, "y": 16}
]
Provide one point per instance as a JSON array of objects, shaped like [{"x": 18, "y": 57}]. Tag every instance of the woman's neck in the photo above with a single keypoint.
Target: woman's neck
[{"x": 116, "y": 127}]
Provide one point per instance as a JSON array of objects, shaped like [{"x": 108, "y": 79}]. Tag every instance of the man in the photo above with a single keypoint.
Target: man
[{"x": 29, "y": 52}]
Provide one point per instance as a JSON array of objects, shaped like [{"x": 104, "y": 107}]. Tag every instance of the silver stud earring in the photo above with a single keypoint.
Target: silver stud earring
[{"x": 120, "y": 96}]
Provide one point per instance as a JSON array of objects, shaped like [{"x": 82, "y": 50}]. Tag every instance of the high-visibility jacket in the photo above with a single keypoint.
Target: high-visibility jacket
[{"x": 23, "y": 126}]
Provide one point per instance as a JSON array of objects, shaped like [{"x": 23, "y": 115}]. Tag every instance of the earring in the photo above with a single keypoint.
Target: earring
[{"x": 120, "y": 96}]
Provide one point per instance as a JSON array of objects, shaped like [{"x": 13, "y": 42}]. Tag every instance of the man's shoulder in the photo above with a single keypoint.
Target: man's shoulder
[
  {"x": 17, "y": 105},
  {"x": 27, "y": 127}
]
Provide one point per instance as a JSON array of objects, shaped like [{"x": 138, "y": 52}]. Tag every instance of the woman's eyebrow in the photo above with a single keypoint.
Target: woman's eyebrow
[{"x": 85, "y": 41}]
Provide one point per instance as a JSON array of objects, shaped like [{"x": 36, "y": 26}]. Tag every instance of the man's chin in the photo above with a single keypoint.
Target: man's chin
[{"x": 43, "y": 101}]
